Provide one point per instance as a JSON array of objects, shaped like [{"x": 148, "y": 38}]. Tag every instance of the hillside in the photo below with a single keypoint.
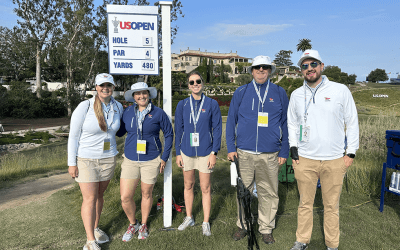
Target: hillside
[{"x": 373, "y": 101}]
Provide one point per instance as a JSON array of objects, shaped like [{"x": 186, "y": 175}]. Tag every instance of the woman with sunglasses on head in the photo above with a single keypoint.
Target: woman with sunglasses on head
[
  {"x": 143, "y": 157},
  {"x": 91, "y": 153},
  {"x": 198, "y": 129}
]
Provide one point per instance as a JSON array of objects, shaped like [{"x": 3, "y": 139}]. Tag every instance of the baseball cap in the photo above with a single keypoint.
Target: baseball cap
[
  {"x": 309, "y": 53},
  {"x": 104, "y": 77}
]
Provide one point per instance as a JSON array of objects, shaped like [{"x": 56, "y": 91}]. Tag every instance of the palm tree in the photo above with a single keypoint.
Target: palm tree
[{"x": 304, "y": 44}]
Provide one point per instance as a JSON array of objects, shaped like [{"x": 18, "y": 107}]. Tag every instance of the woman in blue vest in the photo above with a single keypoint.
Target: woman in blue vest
[
  {"x": 91, "y": 153},
  {"x": 198, "y": 129},
  {"x": 142, "y": 158}
]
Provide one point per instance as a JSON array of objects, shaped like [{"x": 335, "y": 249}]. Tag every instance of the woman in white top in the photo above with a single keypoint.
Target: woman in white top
[{"x": 91, "y": 153}]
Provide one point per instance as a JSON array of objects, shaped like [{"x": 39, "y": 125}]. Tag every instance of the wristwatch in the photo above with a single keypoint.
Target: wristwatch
[
  {"x": 352, "y": 156},
  {"x": 214, "y": 153}
]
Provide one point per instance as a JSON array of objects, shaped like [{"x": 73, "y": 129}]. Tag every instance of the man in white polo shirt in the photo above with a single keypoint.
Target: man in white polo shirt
[{"x": 321, "y": 115}]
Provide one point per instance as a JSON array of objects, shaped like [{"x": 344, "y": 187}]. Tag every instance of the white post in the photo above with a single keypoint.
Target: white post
[{"x": 167, "y": 102}]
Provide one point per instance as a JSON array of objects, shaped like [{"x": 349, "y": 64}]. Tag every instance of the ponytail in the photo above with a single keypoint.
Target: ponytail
[{"x": 98, "y": 111}]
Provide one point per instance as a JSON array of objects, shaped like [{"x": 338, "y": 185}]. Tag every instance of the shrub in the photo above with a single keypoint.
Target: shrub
[
  {"x": 20, "y": 102},
  {"x": 30, "y": 136},
  {"x": 223, "y": 100}
]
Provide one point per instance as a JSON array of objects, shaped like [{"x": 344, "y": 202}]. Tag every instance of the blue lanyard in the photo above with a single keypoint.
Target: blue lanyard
[
  {"x": 111, "y": 112},
  {"x": 258, "y": 93},
  {"x": 306, "y": 106},
  {"x": 196, "y": 119}
]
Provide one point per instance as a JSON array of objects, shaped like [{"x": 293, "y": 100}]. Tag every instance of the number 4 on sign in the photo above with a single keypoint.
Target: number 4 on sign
[{"x": 148, "y": 54}]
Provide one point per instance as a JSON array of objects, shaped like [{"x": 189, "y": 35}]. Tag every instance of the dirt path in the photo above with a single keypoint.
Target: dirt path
[
  {"x": 41, "y": 189},
  {"x": 13, "y": 124}
]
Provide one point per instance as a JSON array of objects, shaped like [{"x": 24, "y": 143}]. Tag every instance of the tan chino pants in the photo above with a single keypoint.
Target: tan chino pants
[
  {"x": 263, "y": 169},
  {"x": 331, "y": 174}
]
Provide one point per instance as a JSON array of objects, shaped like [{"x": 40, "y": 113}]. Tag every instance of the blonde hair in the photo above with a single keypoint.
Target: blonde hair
[{"x": 98, "y": 111}]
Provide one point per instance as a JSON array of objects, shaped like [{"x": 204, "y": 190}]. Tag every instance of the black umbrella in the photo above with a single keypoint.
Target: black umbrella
[{"x": 244, "y": 197}]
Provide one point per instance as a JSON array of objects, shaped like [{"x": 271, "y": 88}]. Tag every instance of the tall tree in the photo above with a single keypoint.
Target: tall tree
[
  {"x": 176, "y": 11},
  {"x": 304, "y": 44},
  {"x": 334, "y": 73},
  {"x": 211, "y": 70},
  {"x": 377, "y": 75},
  {"x": 41, "y": 18},
  {"x": 17, "y": 58},
  {"x": 78, "y": 40},
  {"x": 178, "y": 79},
  {"x": 282, "y": 58}
]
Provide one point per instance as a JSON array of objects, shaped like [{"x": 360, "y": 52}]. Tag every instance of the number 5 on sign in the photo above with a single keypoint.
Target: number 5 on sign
[{"x": 147, "y": 41}]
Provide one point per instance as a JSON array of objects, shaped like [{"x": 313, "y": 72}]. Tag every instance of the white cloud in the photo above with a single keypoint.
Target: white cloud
[{"x": 225, "y": 31}]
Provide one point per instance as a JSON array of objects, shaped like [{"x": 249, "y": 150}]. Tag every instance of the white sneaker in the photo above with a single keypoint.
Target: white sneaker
[
  {"x": 132, "y": 229},
  {"x": 91, "y": 245},
  {"x": 188, "y": 221},
  {"x": 143, "y": 232},
  {"x": 206, "y": 229},
  {"x": 299, "y": 246},
  {"x": 101, "y": 237}
]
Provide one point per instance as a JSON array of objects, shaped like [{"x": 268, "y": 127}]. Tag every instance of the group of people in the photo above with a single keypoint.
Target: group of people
[
  {"x": 261, "y": 129},
  {"x": 92, "y": 151}
]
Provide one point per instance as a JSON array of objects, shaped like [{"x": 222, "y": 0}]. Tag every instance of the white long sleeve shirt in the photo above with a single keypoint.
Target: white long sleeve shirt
[
  {"x": 86, "y": 139},
  {"x": 332, "y": 117}
]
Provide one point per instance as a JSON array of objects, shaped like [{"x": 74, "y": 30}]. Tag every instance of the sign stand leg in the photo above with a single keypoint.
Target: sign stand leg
[{"x": 167, "y": 103}]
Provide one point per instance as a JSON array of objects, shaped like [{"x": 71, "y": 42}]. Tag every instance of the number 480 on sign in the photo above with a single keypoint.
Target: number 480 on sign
[{"x": 147, "y": 65}]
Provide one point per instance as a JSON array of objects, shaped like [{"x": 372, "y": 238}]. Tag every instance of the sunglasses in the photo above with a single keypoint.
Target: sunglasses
[
  {"x": 264, "y": 67},
  {"x": 198, "y": 81},
  {"x": 313, "y": 65},
  {"x": 106, "y": 85}
]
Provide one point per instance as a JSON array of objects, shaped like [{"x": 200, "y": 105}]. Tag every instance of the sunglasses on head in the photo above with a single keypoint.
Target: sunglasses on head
[
  {"x": 313, "y": 65},
  {"x": 198, "y": 81},
  {"x": 264, "y": 67}
]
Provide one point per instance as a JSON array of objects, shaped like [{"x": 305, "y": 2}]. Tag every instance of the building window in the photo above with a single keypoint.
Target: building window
[
  {"x": 190, "y": 58},
  {"x": 215, "y": 61}
]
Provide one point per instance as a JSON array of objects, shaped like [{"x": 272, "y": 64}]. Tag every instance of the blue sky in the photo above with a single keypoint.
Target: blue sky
[{"x": 358, "y": 36}]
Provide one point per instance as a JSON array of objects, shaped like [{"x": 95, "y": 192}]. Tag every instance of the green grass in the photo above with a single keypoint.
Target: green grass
[
  {"x": 382, "y": 85},
  {"x": 367, "y": 104},
  {"x": 56, "y": 223},
  {"x": 46, "y": 158},
  {"x": 365, "y": 174}
]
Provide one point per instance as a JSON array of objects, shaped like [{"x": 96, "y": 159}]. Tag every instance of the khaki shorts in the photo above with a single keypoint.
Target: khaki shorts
[
  {"x": 146, "y": 171},
  {"x": 199, "y": 163},
  {"x": 95, "y": 170}
]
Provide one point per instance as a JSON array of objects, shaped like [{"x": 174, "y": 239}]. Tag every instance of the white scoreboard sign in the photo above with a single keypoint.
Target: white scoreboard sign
[{"x": 132, "y": 39}]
